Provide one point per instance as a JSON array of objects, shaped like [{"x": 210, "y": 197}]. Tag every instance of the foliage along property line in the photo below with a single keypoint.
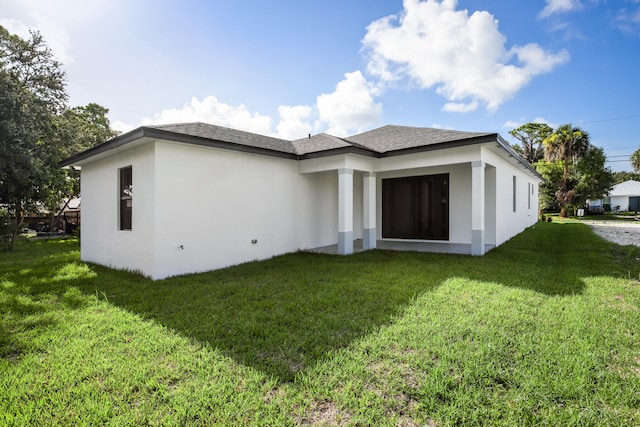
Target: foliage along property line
[
  {"x": 37, "y": 130},
  {"x": 541, "y": 331},
  {"x": 574, "y": 170}
]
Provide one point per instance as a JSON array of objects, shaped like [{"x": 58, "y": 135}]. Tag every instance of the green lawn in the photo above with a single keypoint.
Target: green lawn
[
  {"x": 607, "y": 216},
  {"x": 544, "y": 330}
]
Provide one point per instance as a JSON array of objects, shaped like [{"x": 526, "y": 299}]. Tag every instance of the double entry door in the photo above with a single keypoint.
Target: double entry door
[{"x": 416, "y": 207}]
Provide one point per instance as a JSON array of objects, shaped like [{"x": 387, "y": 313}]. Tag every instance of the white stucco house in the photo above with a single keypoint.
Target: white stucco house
[
  {"x": 173, "y": 199},
  {"x": 625, "y": 196}
]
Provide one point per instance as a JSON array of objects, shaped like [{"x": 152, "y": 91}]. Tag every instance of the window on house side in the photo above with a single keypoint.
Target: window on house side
[
  {"x": 529, "y": 191},
  {"x": 126, "y": 198},
  {"x": 514, "y": 193}
]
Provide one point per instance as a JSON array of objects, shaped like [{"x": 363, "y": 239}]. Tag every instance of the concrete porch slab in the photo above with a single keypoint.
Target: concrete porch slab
[{"x": 433, "y": 247}]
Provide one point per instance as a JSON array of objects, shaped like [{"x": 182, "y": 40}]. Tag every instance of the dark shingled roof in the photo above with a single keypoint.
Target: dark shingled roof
[
  {"x": 232, "y": 136},
  {"x": 320, "y": 142},
  {"x": 382, "y": 142},
  {"x": 393, "y": 138}
]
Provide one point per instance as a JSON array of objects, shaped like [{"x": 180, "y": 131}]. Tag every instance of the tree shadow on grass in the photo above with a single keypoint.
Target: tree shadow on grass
[
  {"x": 33, "y": 286},
  {"x": 284, "y": 314}
]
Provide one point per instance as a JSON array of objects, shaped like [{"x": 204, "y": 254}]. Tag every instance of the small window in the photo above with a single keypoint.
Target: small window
[
  {"x": 126, "y": 198},
  {"x": 514, "y": 193}
]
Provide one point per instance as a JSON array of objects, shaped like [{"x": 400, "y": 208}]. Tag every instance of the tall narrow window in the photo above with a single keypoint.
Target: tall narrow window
[
  {"x": 529, "y": 191},
  {"x": 126, "y": 198},
  {"x": 514, "y": 193}
]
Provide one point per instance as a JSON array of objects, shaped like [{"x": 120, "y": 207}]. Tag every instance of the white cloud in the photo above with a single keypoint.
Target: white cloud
[
  {"x": 53, "y": 19},
  {"x": 460, "y": 107},
  {"x": 543, "y": 120},
  {"x": 559, "y": 6},
  {"x": 294, "y": 122},
  {"x": 350, "y": 107},
  {"x": 463, "y": 56},
  {"x": 210, "y": 110},
  {"x": 628, "y": 20},
  {"x": 15, "y": 26},
  {"x": 441, "y": 126},
  {"x": 55, "y": 36},
  {"x": 121, "y": 126},
  {"x": 513, "y": 124}
]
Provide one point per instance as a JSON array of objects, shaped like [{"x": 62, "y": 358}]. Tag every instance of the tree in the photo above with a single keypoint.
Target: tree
[
  {"x": 566, "y": 145},
  {"x": 531, "y": 137},
  {"x": 552, "y": 174},
  {"x": 593, "y": 178},
  {"x": 82, "y": 128},
  {"x": 635, "y": 160},
  {"x": 619, "y": 177},
  {"x": 37, "y": 130},
  {"x": 85, "y": 127},
  {"x": 32, "y": 89}
]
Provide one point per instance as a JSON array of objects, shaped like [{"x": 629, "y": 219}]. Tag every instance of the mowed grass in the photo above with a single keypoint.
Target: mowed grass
[{"x": 544, "y": 330}]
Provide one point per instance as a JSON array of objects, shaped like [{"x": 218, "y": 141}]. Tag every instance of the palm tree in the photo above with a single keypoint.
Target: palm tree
[
  {"x": 567, "y": 144},
  {"x": 635, "y": 160}
]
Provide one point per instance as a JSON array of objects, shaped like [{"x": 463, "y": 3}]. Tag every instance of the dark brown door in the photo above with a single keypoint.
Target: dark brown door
[{"x": 416, "y": 207}]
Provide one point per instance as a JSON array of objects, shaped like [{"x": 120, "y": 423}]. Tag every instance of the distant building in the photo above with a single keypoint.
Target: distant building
[{"x": 625, "y": 196}]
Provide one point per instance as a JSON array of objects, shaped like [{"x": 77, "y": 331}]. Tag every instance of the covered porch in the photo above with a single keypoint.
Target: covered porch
[{"x": 470, "y": 206}]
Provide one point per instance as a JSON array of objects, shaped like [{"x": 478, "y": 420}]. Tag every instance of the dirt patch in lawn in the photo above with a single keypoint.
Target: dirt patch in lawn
[{"x": 325, "y": 413}]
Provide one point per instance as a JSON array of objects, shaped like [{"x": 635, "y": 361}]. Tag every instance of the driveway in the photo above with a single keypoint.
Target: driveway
[{"x": 620, "y": 232}]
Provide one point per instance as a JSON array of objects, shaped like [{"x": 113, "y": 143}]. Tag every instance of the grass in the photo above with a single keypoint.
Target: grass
[
  {"x": 607, "y": 216},
  {"x": 543, "y": 330}
]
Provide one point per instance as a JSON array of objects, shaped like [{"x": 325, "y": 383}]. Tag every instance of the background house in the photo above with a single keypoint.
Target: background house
[
  {"x": 173, "y": 199},
  {"x": 625, "y": 196}
]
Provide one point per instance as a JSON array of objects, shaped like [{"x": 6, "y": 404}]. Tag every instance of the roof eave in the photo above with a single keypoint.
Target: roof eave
[
  {"x": 111, "y": 144},
  {"x": 337, "y": 151},
  {"x": 505, "y": 145},
  {"x": 440, "y": 145},
  {"x": 155, "y": 133},
  {"x": 214, "y": 143}
]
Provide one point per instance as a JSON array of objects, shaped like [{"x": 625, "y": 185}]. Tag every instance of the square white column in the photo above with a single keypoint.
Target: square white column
[
  {"x": 345, "y": 211},
  {"x": 369, "y": 211},
  {"x": 477, "y": 208}
]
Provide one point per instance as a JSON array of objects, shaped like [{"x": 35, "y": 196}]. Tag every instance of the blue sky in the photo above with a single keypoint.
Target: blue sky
[{"x": 289, "y": 68}]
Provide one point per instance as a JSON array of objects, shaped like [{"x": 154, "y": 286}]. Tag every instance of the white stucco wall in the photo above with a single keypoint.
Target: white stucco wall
[
  {"x": 621, "y": 201},
  {"x": 212, "y": 203},
  {"x": 197, "y": 208},
  {"x": 508, "y": 222},
  {"x": 102, "y": 241}
]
